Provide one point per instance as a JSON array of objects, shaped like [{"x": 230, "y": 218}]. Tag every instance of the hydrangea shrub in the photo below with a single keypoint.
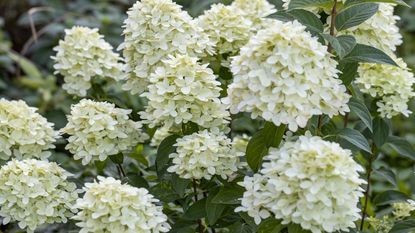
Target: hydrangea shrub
[{"x": 249, "y": 117}]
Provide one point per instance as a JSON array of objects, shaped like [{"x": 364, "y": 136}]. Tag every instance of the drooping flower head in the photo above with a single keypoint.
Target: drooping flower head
[
  {"x": 379, "y": 31},
  {"x": 83, "y": 55},
  {"x": 153, "y": 30},
  {"x": 203, "y": 155},
  {"x": 99, "y": 129},
  {"x": 311, "y": 182},
  {"x": 181, "y": 91},
  {"x": 24, "y": 133},
  {"x": 286, "y": 76},
  {"x": 109, "y": 206},
  {"x": 34, "y": 192},
  {"x": 391, "y": 84}
]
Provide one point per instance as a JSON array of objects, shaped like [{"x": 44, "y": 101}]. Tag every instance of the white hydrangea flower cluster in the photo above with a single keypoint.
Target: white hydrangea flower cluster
[
  {"x": 83, "y": 55},
  {"x": 153, "y": 30},
  {"x": 401, "y": 210},
  {"x": 99, "y": 129},
  {"x": 24, "y": 133},
  {"x": 286, "y": 76},
  {"x": 34, "y": 192},
  {"x": 109, "y": 206},
  {"x": 311, "y": 182},
  {"x": 392, "y": 84},
  {"x": 240, "y": 143},
  {"x": 181, "y": 91},
  {"x": 379, "y": 31},
  {"x": 230, "y": 27},
  {"x": 203, "y": 155}
]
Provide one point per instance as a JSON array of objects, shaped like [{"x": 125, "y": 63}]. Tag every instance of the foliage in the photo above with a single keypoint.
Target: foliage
[{"x": 206, "y": 200}]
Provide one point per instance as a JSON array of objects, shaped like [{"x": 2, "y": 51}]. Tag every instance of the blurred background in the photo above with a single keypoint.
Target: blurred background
[{"x": 29, "y": 29}]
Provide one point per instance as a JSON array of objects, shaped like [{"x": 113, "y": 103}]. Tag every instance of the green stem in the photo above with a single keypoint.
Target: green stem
[
  {"x": 199, "y": 221},
  {"x": 367, "y": 192}
]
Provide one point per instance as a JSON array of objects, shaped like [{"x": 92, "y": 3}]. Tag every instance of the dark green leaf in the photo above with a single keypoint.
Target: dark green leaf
[
  {"x": 137, "y": 181},
  {"x": 402, "y": 146},
  {"x": 269, "y": 136},
  {"x": 196, "y": 211},
  {"x": 229, "y": 194},
  {"x": 282, "y": 16},
  {"x": 270, "y": 225},
  {"x": 164, "y": 150},
  {"x": 138, "y": 155},
  {"x": 349, "y": 71},
  {"x": 117, "y": 159},
  {"x": 388, "y": 197},
  {"x": 350, "y": 3},
  {"x": 343, "y": 45},
  {"x": 355, "y": 15},
  {"x": 164, "y": 191},
  {"x": 213, "y": 210},
  {"x": 405, "y": 226},
  {"x": 189, "y": 128},
  {"x": 179, "y": 184},
  {"x": 355, "y": 138},
  {"x": 368, "y": 54},
  {"x": 308, "y": 19},
  {"x": 387, "y": 174},
  {"x": 380, "y": 131},
  {"x": 362, "y": 112},
  {"x": 309, "y": 3},
  {"x": 225, "y": 73}
]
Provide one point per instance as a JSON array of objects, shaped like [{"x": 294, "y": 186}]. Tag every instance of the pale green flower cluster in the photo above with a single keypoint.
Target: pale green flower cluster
[
  {"x": 240, "y": 143},
  {"x": 400, "y": 211},
  {"x": 379, "y": 31},
  {"x": 311, "y": 182},
  {"x": 83, "y": 55},
  {"x": 24, "y": 133},
  {"x": 153, "y": 30},
  {"x": 181, "y": 91},
  {"x": 34, "y": 193},
  {"x": 99, "y": 129},
  {"x": 203, "y": 155},
  {"x": 230, "y": 27},
  {"x": 284, "y": 75},
  {"x": 111, "y": 207},
  {"x": 391, "y": 84}
]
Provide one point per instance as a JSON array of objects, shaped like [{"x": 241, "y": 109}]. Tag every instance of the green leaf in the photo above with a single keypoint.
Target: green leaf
[
  {"x": 380, "y": 132},
  {"x": 402, "y": 146},
  {"x": 229, "y": 194},
  {"x": 387, "y": 174},
  {"x": 189, "y": 128},
  {"x": 349, "y": 71},
  {"x": 164, "y": 191},
  {"x": 350, "y": 3},
  {"x": 309, "y": 3},
  {"x": 179, "y": 184},
  {"x": 356, "y": 138},
  {"x": 403, "y": 226},
  {"x": 269, "y": 136},
  {"x": 388, "y": 197},
  {"x": 138, "y": 155},
  {"x": 368, "y": 54},
  {"x": 308, "y": 19},
  {"x": 270, "y": 225},
  {"x": 355, "y": 15},
  {"x": 362, "y": 112},
  {"x": 137, "y": 181},
  {"x": 213, "y": 210},
  {"x": 342, "y": 44},
  {"x": 117, "y": 159},
  {"x": 163, "y": 151},
  {"x": 196, "y": 211},
  {"x": 27, "y": 66}
]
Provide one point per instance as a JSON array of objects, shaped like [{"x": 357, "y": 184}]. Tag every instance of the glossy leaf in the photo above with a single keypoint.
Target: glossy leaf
[
  {"x": 368, "y": 54},
  {"x": 355, "y": 15},
  {"x": 362, "y": 112},
  {"x": 355, "y": 138},
  {"x": 388, "y": 197},
  {"x": 402, "y": 146}
]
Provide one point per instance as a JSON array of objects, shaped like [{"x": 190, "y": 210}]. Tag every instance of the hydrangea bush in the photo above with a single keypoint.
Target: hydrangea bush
[{"x": 249, "y": 117}]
